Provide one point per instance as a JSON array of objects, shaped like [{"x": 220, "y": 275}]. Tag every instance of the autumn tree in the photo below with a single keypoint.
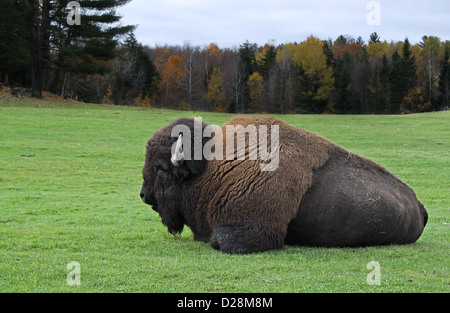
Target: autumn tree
[
  {"x": 211, "y": 57},
  {"x": 160, "y": 54},
  {"x": 256, "y": 92},
  {"x": 215, "y": 95},
  {"x": 378, "y": 63},
  {"x": 415, "y": 102},
  {"x": 310, "y": 58},
  {"x": 376, "y": 50},
  {"x": 171, "y": 81},
  {"x": 339, "y": 44}
]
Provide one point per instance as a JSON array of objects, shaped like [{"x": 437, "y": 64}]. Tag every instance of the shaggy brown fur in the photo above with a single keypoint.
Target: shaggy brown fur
[{"x": 320, "y": 195}]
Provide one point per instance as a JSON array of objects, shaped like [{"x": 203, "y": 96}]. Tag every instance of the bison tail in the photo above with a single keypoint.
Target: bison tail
[{"x": 424, "y": 214}]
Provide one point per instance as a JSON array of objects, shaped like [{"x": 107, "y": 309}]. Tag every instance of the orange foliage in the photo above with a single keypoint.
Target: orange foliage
[
  {"x": 352, "y": 49},
  {"x": 172, "y": 74}
]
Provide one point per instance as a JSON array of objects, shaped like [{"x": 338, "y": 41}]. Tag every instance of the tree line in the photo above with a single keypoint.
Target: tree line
[
  {"x": 101, "y": 61},
  {"x": 346, "y": 75}
]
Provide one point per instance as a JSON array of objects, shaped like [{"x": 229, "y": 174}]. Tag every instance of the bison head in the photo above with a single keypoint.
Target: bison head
[{"x": 166, "y": 174}]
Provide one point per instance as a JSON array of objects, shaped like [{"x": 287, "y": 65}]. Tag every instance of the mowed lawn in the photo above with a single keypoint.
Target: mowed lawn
[{"x": 70, "y": 177}]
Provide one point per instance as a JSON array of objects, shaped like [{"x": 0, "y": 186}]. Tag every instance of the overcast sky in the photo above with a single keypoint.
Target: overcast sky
[{"x": 230, "y": 22}]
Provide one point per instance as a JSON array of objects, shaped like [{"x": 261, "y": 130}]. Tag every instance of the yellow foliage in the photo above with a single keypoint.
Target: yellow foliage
[
  {"x": 213, "y": 49},
  {"x": 256, "y": 86},
  {"x": 414, "y": 101},
  {"x": 107, "y": 97},
  {"x": 183, "y": 105},
  {"x": 256, "y": 92},
  {"x": 285, "y": 55},
  {"x": 142, "y": 102},
  {"x": 309, "y": 54},
  {"x": 215, "y": 94},
  {"x": 377, "y": 49}
]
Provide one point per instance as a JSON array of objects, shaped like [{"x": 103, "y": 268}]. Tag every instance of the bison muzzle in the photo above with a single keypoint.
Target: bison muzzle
[{"x": 319, "y": 195}]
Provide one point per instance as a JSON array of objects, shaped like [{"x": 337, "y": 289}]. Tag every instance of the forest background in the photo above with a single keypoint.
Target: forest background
[{"x": 97, "y": 59}]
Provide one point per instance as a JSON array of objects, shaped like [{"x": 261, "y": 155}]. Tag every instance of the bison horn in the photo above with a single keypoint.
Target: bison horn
[{"x": 178, "y": 157}]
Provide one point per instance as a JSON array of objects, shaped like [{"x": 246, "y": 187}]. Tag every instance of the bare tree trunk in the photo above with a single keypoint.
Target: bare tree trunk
[
  {"x": 190, "y": 59},
  {"x": 238, "y": 86},
  {"x": 39, "y": 27},
  {"x": 430, "y": 77}
]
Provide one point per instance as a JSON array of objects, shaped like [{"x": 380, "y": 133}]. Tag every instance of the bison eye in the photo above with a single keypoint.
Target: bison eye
[{"x": 161, "y": 172}]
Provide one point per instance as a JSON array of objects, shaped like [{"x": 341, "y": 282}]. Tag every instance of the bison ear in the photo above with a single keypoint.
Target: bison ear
[
  {"x": 196, "y": 164},
  {"x": 190, "y": 168},
  {"x": 187, "y": 162}
]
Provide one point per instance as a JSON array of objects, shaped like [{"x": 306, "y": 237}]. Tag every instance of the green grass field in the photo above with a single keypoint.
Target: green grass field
[{"x": 70, "y": 177}]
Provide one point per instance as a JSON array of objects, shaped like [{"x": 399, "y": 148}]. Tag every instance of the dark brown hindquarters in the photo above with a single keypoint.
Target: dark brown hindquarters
[{"x": 355, "y": 202}]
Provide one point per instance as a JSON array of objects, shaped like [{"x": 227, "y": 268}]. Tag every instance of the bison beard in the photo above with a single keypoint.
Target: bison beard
[{"x": 320, "y": 194}]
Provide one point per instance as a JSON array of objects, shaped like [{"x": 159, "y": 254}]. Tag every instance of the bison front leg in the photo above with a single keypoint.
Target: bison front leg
[
  {"x": 226, "y": 239},
  {"x": 241, "y": 240}
]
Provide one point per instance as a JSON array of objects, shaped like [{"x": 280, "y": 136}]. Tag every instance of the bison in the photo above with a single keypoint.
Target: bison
[{"x": 319, "y": 194}]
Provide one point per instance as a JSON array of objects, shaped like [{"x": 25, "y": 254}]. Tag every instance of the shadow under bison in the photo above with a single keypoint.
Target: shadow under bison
[{"x": 319, "y": 195}]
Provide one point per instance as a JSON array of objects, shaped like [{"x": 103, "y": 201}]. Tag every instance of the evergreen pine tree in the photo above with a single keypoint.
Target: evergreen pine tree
[
  {"x": 374, "y": 38},
  {"x": 342, "y": 84},
  {"x": 409, "y": 68},
  {"x": 247, "y": 66},
  {"x": 444, "y": 81},
  {"x": 402, "y": 76},
  {"x": 14, "y": 41},
  {"x": 267, "y": 61},
  {"x": 395, "y": 80},
  {"x": 133, "y": 73},
  {"x": 383, "y": 99},
  {"x": 329, "y": 54},
  {"x": 85, "y": 48},
  {"x": 247, "y": 57},
  {"x": 304, "y": 91},
  {"x": 38, "y": 32}
]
